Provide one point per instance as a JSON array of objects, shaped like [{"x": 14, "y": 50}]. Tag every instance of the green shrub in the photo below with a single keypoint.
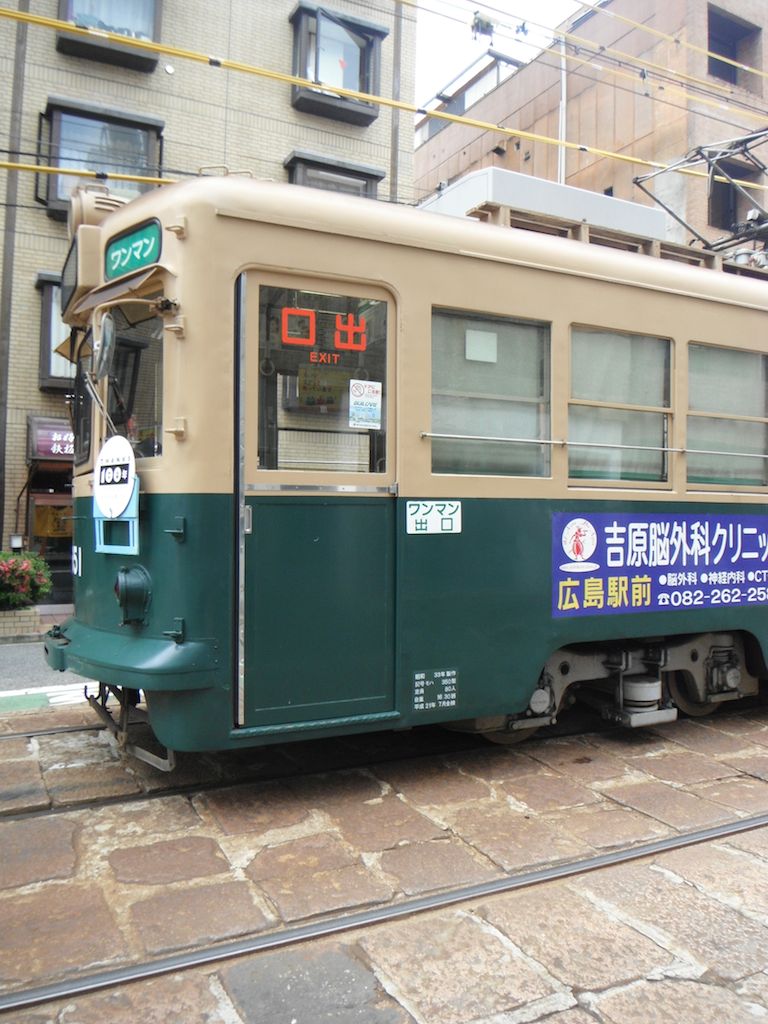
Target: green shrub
[{"x": 24, "y": 579}]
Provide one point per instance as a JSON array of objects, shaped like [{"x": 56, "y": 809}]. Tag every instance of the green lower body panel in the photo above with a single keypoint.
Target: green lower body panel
[
  {"x": 360, "y": 613},
  {"x": 477, "y": 606}
]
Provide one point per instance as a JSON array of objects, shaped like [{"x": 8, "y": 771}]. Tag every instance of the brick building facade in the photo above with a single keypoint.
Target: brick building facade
[
  {"x": 80, "y": 101},
  {"x": 640, "y": 79}
]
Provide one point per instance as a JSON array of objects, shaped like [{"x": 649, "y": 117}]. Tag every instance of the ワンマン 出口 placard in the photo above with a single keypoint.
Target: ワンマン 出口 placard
[{"x": 606, "y": 563}]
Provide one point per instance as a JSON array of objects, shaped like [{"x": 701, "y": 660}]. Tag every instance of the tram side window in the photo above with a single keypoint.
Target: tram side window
[
  {"x": 490, "y": 389},
  {"x": 618, "y": 416},
  {"x": 322, "y": 381},
  {"x": 727, "y": 416}
]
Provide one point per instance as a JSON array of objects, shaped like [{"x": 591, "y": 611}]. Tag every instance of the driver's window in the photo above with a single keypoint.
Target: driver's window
[{"x": 135, "y": 374}]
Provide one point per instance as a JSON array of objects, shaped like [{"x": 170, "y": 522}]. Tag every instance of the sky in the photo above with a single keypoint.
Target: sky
[{"x": 444, "y": 43}]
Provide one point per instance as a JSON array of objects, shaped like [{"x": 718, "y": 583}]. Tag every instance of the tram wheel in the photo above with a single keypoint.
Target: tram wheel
[
  {"x": 682, "y": 694},
  {"x": 509, "y": 737}
]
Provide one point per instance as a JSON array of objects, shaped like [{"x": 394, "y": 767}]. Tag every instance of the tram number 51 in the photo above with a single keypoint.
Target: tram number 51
[{"x": 77, "y": 561}]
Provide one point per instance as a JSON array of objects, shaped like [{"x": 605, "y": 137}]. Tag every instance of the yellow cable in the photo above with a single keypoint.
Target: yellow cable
[
  {"x": 280, "y": 76},
  {"x": 597, "y": 9}
]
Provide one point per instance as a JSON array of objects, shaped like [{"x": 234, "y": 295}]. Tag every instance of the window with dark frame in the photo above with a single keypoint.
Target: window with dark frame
[
  {"x": 728, "y": 206},
  {"x": 75, "y": 135},
  {"x": 736, "y": 40},
  {"x": 56, "y": 372},
  {"x": 331, "y": 175},
  {"x": 139, "y": 19},
  {"x": 335, "y": 50}
]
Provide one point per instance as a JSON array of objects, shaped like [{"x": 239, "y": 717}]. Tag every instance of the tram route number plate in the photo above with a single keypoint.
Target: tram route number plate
[
  {"x": 113, "y": 475},
  {"x": 435, "y": 689}
]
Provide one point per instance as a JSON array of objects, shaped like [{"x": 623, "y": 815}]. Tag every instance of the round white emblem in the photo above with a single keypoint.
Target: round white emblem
[
  {"x": 579, "y": 540},
  {"x": 114, "y": 477}
]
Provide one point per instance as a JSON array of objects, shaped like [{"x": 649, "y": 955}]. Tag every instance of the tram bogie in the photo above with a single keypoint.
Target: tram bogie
[{"x": 343, "y": 467}]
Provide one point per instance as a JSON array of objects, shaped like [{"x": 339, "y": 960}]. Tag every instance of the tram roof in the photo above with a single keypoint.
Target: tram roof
[{"x": 239, "y": 198}]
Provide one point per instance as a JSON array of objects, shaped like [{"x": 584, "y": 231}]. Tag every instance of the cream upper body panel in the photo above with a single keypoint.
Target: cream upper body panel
[{"x": 215, "y": 230}]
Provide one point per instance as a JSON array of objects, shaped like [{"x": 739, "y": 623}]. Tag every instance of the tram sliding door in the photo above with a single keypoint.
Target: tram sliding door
[{"x": 316, "y": 558}]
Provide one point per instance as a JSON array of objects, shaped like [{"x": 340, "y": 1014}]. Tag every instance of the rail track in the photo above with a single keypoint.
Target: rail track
[
  {"x": 334, "y": 925},
  {"x": 285, "y": 761}
]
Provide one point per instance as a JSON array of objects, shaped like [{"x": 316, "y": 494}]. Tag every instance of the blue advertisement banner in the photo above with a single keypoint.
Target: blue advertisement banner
[{"x": 608, "y": 563}]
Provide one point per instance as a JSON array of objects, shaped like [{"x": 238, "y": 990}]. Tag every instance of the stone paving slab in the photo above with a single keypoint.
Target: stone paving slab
[
  {"x": 674, "y": 807},
  {"x": 739, "y": 794},
  {"x": 57, "y": 929},
  {"x": 684, "y": 1002},
  {"x": 36, "y": 850},
  {"x": 600, "y": 952},
  {"x": 325, "y": 985},
  {"x": 441, "y": 966},
  {"x": 194, "y": 916},
  {"x": 113, "y": 884},
  {"x": 705, "y": 933}
]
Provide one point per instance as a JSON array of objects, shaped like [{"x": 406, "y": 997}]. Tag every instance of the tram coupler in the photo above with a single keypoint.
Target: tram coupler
[{"x": 129, "y": 715}]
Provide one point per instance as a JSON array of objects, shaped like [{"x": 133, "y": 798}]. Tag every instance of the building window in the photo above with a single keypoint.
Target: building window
[
  {"x": 728, "y": 205},
  {"x": 618, "y": 418},
  {"x": 57, "y": 372},
  {"x": 335, "y": 50},
  {"x": 139, "y": 19},
  {"x": 736, "y": 40},
  {"x": 97, "y": 139},
  {"x": 332, "y": 175},
  {"x": 490, "y": 395},
  {"x": 727, "y": 416}
]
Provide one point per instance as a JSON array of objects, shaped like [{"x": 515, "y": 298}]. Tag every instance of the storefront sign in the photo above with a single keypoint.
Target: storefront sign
[{"x": 49, "y": 439}]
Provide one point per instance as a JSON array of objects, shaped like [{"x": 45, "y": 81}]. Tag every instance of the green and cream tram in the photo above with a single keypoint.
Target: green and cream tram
[{"x": 342, "y": 466}]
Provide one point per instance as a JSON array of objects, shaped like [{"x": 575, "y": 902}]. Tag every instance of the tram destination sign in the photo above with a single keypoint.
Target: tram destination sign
[
  {"x": 132, "y": 250},
  {"x": 605, "y": 563}
]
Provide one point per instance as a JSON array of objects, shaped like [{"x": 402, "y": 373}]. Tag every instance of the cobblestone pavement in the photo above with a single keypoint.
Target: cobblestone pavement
[{"x": 681, "y": 936}]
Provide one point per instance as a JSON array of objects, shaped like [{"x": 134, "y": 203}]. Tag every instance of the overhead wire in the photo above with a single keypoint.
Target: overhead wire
[
  {"x": 283, "y": 77},
  {"x": 598, "y": 9},
  {"x": 582, "y": 74},
  {"x": 602, "y": 52},
  {"x": 580, "y": 41}
]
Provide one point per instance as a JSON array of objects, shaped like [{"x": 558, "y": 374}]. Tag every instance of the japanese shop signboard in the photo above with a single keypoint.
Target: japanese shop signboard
[
  {"x": 49, "y": 439},
  {"x": 606, "y": 563}
]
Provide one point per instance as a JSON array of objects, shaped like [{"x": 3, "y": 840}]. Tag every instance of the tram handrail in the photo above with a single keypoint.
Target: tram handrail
[{"x": 563, "y": 443}]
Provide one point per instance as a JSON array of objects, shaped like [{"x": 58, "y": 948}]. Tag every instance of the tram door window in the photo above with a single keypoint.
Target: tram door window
[
  {"x": 322, "y": 382},
  {"x": 491, "y": 390},
  {"x": 727, "y": 416},
  {"x": 618, "y": 419}
]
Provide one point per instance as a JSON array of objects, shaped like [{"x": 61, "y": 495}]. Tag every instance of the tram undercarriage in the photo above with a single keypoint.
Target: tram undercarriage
[{"x": 635, "y": 684}]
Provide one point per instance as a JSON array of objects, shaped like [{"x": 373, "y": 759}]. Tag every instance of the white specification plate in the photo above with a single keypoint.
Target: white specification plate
[{"x": 435, "y": 688}]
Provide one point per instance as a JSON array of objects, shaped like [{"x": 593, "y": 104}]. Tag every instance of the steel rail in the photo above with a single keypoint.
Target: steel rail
[
  {"x": 344, "y": 923},
  {"x": 53, "y": 730}
]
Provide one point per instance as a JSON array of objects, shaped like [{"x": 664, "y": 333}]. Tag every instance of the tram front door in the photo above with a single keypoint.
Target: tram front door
[{"x": 316, "y": 559}]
